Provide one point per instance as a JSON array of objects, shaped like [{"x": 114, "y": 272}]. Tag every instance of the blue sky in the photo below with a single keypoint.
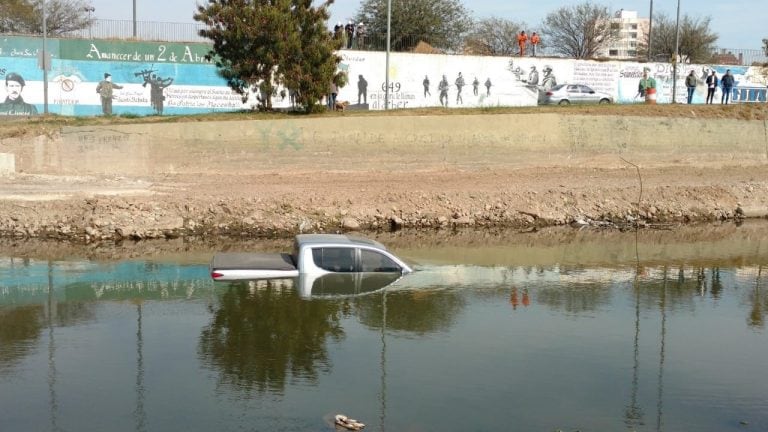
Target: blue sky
[{"x": 739, "y": 23}]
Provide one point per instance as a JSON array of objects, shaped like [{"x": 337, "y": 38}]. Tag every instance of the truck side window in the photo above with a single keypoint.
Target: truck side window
[
  {"x": 372, "y": 261},
  {"x": 340, "y": 260}
]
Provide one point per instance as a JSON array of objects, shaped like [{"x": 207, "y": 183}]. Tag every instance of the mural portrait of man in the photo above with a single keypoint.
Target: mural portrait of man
[{"x": 14, "y": 103}]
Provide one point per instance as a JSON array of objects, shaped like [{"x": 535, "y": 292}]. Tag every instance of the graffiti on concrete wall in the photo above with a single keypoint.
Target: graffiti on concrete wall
[{"x": 144, "y": 78}]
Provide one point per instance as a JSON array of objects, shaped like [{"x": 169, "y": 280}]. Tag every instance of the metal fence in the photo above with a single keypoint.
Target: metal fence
[{"x": 189, "y": 32}]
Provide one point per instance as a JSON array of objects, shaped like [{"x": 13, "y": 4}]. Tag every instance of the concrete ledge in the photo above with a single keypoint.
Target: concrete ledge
[{"x": 7, "y": 164}]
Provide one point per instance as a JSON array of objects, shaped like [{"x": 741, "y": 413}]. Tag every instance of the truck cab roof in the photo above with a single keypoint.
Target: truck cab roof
[{"x": 340, "y": 239}]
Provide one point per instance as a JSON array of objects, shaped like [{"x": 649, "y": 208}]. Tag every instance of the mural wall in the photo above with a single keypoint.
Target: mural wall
[{"x": 93, "y": 77}]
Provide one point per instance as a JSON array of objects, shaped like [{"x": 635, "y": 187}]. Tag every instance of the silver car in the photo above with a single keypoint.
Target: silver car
[{"x": 566, "y": 94}]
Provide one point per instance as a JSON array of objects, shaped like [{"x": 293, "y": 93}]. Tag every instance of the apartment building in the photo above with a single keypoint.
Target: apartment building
[{"x": 632, "y": 29}]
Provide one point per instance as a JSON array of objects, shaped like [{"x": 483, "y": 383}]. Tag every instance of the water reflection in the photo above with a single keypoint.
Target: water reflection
[
  {"x": 649, "y": 346},
  {"x": 258, "y": 339}
]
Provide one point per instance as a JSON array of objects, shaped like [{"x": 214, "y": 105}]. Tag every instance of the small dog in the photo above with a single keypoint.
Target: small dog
[{"x": 340, "y": 106}]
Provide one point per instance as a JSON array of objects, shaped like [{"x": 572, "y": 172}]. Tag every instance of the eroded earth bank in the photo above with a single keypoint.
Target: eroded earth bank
[{"x": 254, "y": 178}]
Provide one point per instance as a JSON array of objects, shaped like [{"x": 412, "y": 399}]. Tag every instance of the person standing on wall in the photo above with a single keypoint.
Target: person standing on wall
[
  {"x": 727, "y": 83},
  {"x": 535, "y": 39},
  {"x": 690, "y": 84},
  {"x": 14, "y": 104},
  {"x": 105, "y": 89},
  {"x": 522, "y": 39},
  {"x": 712, "y": 83}
]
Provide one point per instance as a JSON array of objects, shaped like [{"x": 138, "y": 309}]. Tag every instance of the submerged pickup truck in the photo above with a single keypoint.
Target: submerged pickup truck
[{"x": 313, "y": 254}]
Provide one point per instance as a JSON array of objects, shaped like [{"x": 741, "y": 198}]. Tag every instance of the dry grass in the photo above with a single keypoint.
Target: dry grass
[{"x": 45, "y": 125}]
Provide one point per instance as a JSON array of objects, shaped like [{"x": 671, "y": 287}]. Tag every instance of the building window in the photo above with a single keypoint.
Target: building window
[
  {"x": 613, "y": 53},
  {"x": 633, "y": 44},
  {"x": 632, "y": 53},
  {"x": 633, "y": 35},
  {"x": 615, "y": 26},
  {"x": 633, "y": 26}
]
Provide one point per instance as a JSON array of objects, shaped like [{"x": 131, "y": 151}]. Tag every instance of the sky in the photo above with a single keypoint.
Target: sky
[{"x": 739, "y": 23}]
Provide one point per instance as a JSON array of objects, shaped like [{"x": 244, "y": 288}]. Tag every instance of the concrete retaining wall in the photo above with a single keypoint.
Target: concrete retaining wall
[
  {"x": 7, "y": 163},
  {"x": 388, "y": 143}
]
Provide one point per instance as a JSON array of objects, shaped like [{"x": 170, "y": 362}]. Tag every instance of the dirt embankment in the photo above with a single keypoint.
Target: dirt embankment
[{"x": 604, "y": 192}]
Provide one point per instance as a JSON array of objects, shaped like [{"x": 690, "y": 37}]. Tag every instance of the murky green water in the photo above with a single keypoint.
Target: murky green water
[{"x": 664, "y": 331}]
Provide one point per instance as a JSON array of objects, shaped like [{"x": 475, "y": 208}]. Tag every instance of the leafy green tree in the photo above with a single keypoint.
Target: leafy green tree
[
  {"x": 493, "y": 36},
  {"x": 260, "y": 44},
  {"x": 26, "y": 16},
  {"x": 440, "y": 23},
  {"x": 697, "y": 40},
  {"x": 579, "y": 31}
]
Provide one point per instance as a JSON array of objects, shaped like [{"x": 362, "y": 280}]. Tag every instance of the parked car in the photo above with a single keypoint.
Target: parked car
[{"x": 566, "y": 94}]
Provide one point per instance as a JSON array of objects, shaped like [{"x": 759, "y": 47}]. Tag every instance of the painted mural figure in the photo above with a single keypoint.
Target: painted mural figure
[
  {"x": 533, "y": 77},
  {"x": 156, "y": 87},
  {"x": 362, "y": 89},
  {"x": 647, "y": 84},
  {"x": 475, "y": 86},
  {"x": 105, "y": 89},
  {"x": 549, "y": 79},
  {"x": 459, "y": 85},
  {"x": 426, "y": 86},
  {"x": 14, "y": 104},
  {"x": 443, "y": 88},
  {"x": 488, "y": 86}
]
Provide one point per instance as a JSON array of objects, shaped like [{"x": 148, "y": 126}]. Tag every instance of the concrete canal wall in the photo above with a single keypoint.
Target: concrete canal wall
[{"x": 386, "y": 143}]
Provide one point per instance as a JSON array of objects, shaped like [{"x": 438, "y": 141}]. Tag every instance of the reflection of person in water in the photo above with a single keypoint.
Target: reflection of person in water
[
  {"x": 362, "y": 89},
  {"x": 443, "y": 88},
  {"x": 156, "y": 87},
  {"x": 426, "y": 86},
  {"x": 488, "y": 87},
  {"x": 14, "y": 104},
  {"x": 459, "y": 85}
]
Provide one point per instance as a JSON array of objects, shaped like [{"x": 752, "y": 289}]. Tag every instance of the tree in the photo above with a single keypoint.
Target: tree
[
  {"x": 260, "y": 44},
  {"x": 440, "y": 23},
  {"x": 493, "y": 36},
  {"x": 579, "y": 31},
  {"x": 697, "y": 40},
  {"x": 765, "y": 46},
  {"x": 25, "y": 16}
]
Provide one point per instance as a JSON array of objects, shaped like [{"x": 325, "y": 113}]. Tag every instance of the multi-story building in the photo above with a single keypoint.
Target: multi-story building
[{"x": 631, "y": 30}]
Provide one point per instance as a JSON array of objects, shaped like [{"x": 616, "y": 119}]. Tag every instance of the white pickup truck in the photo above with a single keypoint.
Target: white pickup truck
[{"x": 313, "y": 254}]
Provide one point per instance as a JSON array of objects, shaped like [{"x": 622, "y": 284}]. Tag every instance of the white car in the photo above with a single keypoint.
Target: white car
[{"x": 566, "y": 94}]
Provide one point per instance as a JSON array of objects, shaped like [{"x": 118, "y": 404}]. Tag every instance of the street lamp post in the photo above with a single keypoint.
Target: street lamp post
[
  {"x": 45, "y": 60},
  {"x": 650, "y": 33},
  {"x": 90, "y": 10},
  {"x": 134, "y": 19},
  {"x": 386, "y": 74},
  {"x": 677, "y": 55}
]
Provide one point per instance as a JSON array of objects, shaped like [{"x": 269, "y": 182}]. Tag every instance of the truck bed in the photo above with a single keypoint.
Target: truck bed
[{"x": 258, "y": 265}]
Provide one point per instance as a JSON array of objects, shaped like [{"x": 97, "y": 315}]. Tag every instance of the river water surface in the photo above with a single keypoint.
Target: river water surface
[{"x": 557, "y": 330}]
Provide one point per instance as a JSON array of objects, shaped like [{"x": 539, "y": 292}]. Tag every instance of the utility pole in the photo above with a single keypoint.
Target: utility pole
[
  {"x": 677, "y": 55},
  {"x": 45, "y": 60},
  {"x": 90, "y": 10},
  {"x": 386, "y": 74},
  {"x": 134, "y": 19},
  {"x": 650, "y": 33}
]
